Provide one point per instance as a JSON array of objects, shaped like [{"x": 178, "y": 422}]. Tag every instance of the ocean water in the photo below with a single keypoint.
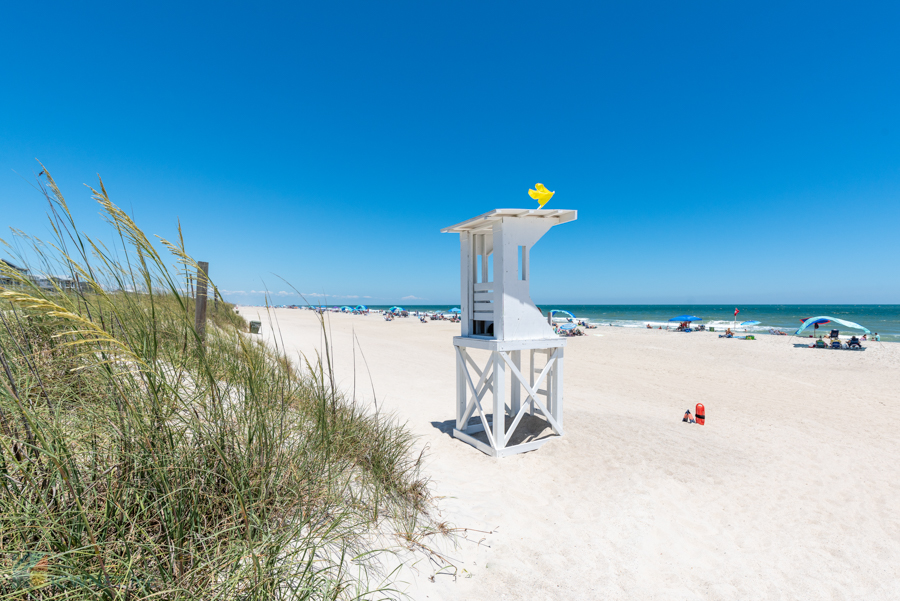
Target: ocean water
[{"x": 884, "y": 319}]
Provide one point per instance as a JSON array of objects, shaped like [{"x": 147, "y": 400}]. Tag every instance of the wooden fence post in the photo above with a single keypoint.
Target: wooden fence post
[{"x": 200, "y": 307}]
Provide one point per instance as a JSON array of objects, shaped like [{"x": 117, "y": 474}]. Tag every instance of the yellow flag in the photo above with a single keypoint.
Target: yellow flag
[{"x": 541, "y": 194}]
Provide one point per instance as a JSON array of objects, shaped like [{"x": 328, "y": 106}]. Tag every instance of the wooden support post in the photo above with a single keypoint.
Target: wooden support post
[
  {"x": 499, "y": 425},
  {"x": 515, "y": 388},
  {"x": 551, "y": 379},
  {"x": 557, "y": 390},
  {"x": 200, "y": 304},
  {"x": 531, "y": 377},
  {"x": 461, "y": 400}
]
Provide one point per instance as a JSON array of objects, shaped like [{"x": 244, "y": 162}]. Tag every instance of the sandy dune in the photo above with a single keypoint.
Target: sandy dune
[{"x": 791, "y": 490}]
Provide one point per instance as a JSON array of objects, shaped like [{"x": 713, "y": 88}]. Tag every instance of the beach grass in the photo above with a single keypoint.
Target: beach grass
[{"x": 138, "y": 460}]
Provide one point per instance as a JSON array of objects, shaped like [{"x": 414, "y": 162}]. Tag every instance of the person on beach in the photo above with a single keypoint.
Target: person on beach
[
  {"x": 877, "y": 337},
  {"x": 649, "y": 327},
  {"x": 729, "y": 333}
]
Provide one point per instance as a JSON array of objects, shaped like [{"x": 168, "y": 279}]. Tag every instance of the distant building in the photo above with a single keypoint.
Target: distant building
[
  {"x": 6, "y": 280},
  {"x": 52, "y": 283},
  {"x": 48, "y": 283}
]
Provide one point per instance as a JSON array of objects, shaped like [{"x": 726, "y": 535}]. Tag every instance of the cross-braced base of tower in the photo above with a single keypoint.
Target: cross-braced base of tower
[{"x": 542, "y": 385}]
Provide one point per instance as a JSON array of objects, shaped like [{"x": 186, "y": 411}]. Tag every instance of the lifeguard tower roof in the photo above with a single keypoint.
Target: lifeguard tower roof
[{"x": 486, "y": 221}]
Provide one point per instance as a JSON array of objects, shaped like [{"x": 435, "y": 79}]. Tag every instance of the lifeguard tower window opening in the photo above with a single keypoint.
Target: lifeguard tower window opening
[
  {"x": 483, "y": 309},
  {"x": 523, "y": 263}
]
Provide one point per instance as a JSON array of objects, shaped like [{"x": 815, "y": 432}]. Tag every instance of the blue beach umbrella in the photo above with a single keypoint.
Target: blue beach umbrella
[
  {"x": 750, "y": 323},
  {"x": 555, "y": 311},
  {"x": 361, "y": 308},
  {"x": 345, "y": 308},
  {"x": 686, "y": 318},
  {"x": 567, "y": 327},
  {"x": 396, "y": 309},
  {"x": 455, "y": 310}
]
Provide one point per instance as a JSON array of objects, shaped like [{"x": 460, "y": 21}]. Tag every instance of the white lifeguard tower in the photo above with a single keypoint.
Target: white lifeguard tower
[{"x": 498, "y": 316}]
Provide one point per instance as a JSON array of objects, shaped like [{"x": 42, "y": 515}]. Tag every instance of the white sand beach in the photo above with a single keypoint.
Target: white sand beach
[{"x": 790, "y": 491}]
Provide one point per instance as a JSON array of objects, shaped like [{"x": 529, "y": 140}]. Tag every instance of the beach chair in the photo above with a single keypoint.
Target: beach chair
[
  {"x": 854, "y": 343},
  {"x": 834, "y": 334},
  {"x": 820, "y": 343},
  {"x": 836, "y": 344}
]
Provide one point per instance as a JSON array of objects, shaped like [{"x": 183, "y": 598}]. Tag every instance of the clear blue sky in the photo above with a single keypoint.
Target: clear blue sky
[{"x": 716, "y": 152}]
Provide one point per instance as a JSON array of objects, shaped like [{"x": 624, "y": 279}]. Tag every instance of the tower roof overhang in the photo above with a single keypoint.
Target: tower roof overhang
[{"x": 487, "y": 220}]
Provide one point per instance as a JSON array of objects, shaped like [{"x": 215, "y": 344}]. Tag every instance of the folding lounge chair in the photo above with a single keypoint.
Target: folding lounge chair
[
  {"x": 836, "y": 344},
  {"x": 834, "y": 334}
]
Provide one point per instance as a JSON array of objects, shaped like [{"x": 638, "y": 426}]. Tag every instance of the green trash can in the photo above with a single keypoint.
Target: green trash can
[{"x": 254, "y": 327}]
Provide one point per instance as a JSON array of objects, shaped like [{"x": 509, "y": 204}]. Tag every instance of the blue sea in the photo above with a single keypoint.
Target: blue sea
[{"x": 884, "y": 319}]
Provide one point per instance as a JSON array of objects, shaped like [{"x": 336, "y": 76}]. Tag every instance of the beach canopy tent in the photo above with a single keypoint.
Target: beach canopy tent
[
  {"x": 750, "y": 323},
  {"x": 345, "y": 308},
  {"x": 681, "y": 318},
  {"x": 555, "y": 311},
  {"x": 396, "y": 309},
  {"x": 816, "y": 320},
  {"x": 361, "y": 308}
]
